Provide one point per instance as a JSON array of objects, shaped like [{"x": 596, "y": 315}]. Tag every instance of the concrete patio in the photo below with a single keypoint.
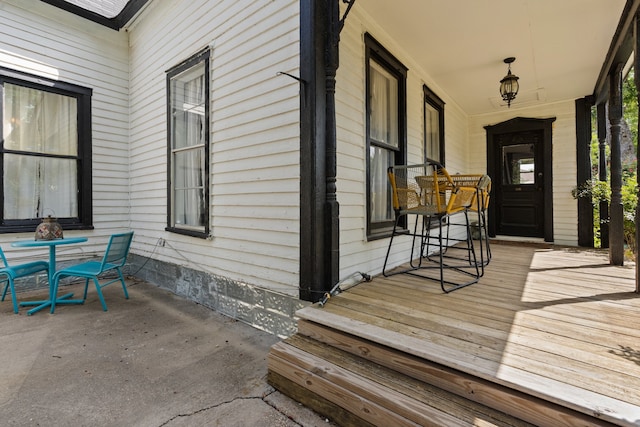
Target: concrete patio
[{"x": 153, "y": 360}]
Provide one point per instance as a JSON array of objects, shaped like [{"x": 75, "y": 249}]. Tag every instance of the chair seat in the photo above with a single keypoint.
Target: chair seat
[
  {"x": 89, "y": 268},
  {"x": 11, "y": 272},
  {"x": 25, "y": 269}
]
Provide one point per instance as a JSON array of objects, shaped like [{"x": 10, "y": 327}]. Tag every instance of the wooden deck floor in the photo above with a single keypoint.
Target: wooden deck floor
[{"x": 559, "y": 324}]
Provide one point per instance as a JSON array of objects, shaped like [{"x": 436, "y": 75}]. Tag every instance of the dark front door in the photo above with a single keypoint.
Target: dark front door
[
  {"x": 519, "y": 183},
  {"x": 519, "y": 163}
]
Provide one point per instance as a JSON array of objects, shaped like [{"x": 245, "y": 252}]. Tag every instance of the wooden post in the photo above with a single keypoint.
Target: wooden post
[
  {"x": 583, "y": 158},
  {"x": 314, "y": 276},
  {"x": 602, "y": 172},
  {"x": 616, "y": 226},
  {"x": 331, "y": 201},
  {"x": 636, "y": 67},
  {"x": 319, "y": 209}
]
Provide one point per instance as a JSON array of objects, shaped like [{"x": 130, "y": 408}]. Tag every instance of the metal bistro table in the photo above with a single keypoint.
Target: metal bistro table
[{"x": 52, "y": 269}]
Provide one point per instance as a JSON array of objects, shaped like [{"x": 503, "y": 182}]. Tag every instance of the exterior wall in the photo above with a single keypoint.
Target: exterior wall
[
  {"x": 248, "y": 268},
  {"x": 565, "y": 214},
  {"x": 356, "y": 253},
  {"x": 43, "y": 40},
  {"x": 254, "y": 143}
]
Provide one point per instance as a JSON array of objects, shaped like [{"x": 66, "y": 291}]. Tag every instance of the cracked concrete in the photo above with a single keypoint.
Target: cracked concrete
[{"x": 153, "y": 360}]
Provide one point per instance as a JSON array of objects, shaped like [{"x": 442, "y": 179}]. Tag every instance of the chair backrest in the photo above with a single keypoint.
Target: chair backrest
[
  {"x": 429, "y": 189},
  {"x": 117, "y": 250},
  {"x": 5, "y": 264}
]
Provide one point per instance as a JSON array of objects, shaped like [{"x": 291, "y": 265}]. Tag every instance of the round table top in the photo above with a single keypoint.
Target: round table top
[{"x": 54, "y": 242}]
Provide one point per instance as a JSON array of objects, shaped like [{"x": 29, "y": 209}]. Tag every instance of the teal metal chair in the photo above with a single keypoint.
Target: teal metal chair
[
  {"x": 9, "y": 273},
  {"x": 113, "y": 260}
]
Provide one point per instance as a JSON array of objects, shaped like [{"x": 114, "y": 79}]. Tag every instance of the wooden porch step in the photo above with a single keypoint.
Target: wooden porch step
[
  {"x": 354, "y": 391},
  {"x": 355, "y": 381}
]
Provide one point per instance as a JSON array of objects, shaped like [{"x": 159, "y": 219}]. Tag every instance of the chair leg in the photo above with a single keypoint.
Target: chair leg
[
  {"x": 10, "y": 286},
  {"x": 54, "y": 293},
  {"x": 86, "y": 286},
  {"x": 124, "y": 287},
  {"x": 386, "y": 258},
  {"x": 99, "y": 290},
  {"x": 4, "y": 292}
]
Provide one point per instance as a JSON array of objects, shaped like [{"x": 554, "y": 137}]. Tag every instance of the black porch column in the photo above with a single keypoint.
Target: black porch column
[
  {"x": 616, "y": 230},
  {"x": 332, "y": 208},
  {"x": 583, "y": 153},
  {"x": 319, "y": 210},
  {"x": 602, "y": 173}
]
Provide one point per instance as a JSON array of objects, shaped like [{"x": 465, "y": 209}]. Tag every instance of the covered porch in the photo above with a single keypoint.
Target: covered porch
[{"x": 547, "y": 336}]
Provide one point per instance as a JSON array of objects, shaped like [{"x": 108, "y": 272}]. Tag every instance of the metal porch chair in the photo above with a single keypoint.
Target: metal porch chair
[
  {"x": 482, "y": 184},
  {"x": 428, "y": 192},
  {"x": 9, "y": 273},
  {"x": 114, "y": 258}
]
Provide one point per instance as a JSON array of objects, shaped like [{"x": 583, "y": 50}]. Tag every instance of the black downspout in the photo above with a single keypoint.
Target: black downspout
[
  {"x": 602, "y": 173},
  {"x": 616, "y": 231}
]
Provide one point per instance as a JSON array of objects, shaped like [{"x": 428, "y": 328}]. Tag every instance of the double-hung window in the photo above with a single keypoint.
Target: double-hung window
[
  {"x": 433, "y": 126},
  {"x": 188, "y": 146},
  {"x": 386, "y": 132},
  {"x": 45, "y": 152}
]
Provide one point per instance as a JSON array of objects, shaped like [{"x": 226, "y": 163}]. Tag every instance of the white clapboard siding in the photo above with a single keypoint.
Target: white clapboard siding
[
  {"x": 254, "y": 135},
  {"x": 356, "y": 253},
  {"x": 43, "y": 40}
]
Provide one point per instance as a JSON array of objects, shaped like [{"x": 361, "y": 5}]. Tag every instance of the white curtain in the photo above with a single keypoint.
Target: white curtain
[
  {"x": 37, "y": 122},
  {"x": 383, "y": 130},
  {"x": 381, "y": 208},
  {"x": 432, "y": 132},
  {"x": 188, "y": 143}
]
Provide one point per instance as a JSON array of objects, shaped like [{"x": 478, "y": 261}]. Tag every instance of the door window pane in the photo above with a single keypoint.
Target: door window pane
[{"x": 519, "y": 164}]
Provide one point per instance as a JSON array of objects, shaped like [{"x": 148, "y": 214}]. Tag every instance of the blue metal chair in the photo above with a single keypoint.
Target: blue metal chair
[
  {"x": 9, "y": 273},
  {"x": 114, "y": 258}
]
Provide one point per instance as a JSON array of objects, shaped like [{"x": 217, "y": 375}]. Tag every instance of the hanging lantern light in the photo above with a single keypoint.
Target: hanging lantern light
[{"x": 509, "y": 84}]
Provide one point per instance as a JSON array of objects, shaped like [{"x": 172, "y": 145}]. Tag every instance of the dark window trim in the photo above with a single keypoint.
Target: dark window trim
[
  {"x": 202, "y": 56},
  {"x": 85, "y": 168},
  {"x": 374, "y": 50},
  {"x": 116, "y": 23},
  {"x": 436, "y": 102}
]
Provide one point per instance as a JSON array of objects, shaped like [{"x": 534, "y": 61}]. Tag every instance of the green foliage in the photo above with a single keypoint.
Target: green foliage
[
  {"x": 630, "y": 102},
  {"x": 594, "y": 190},
  {"x": 629, "y": 203}
]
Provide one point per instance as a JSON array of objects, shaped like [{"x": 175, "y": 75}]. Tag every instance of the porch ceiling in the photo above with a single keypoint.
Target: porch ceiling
[{"x": 560, "y": 46}]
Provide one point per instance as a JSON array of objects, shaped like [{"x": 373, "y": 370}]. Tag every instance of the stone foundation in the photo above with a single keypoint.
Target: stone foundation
[{"x": 261, "y": 308}]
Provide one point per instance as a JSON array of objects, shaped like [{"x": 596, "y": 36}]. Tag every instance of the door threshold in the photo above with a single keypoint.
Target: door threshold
[{"x": 521, "y": 240}]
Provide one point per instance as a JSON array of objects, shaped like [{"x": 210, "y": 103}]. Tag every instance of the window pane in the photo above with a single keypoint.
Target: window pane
[
  {"x": 381, "y": 207},
  {"x": 383, "y": 99},
  {"x": 39, "y": 121},
  {"x": 188, "y": 108},
  {"x": 189, "y": 201},
  {"x": 519, "y": 162},
  {"x": 432, "y": 132},
  {"x": 39, "y": 186}
]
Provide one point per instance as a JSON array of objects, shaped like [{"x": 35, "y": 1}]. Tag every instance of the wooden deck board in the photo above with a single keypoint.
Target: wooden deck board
[{"x": 559, "y": 324}]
